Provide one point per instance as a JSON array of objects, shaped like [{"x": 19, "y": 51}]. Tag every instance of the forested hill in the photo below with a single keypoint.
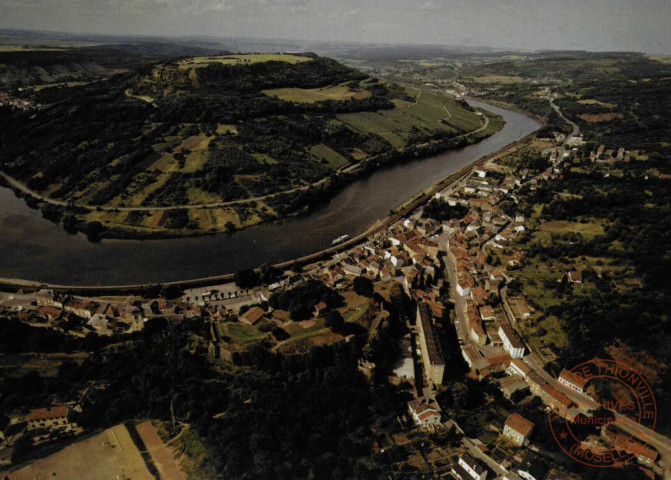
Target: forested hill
[{"x": 209, "y": 130}]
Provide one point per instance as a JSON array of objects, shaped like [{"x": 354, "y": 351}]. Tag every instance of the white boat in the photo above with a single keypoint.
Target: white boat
[{"x": 340, "y": 239}]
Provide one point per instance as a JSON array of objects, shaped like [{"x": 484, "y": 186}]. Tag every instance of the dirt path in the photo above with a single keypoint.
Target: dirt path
[
  {"x": 176, "y": 437},
  {"x": 162, "y": 456},
  {"x": 142, "y": 98}
]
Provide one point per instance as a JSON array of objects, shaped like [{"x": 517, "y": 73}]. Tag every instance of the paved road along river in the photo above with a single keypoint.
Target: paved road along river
[{"x": 35, "y": 249}]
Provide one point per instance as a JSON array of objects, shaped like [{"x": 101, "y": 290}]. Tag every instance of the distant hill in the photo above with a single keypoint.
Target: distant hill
[
  {"x": 22, "y": 66},
  {"x": 163, "y": 49},
  {"x": 39, "y": 66}
]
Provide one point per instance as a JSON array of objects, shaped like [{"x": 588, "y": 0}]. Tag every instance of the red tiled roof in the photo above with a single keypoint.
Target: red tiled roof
[
  {"x": 48, "y": 413},
  {"x": 573, "y": 378},
  {"x": 557, "y": 398},
  {"x": 624, "y": 442},
  {"x": 253, "y": 315},
  {"x": 520, "y": 424},
  {"x": 499, "y": 360}
]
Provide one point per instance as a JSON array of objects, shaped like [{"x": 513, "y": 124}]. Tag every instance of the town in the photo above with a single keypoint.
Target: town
[{"x": 457, "y": 261}]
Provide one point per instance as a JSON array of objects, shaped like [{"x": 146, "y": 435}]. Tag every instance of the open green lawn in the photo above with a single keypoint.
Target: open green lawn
[
  {"x": 300, "y": 329},
  {"x": 534, "y": 275},
  {"x": 302, "y": 344},
  {"x": 554, "y": 335},
  {"x": 241, "y": 333},
  {"x": 588, "y": 230},
  {"x": 312, "y": 95},
  {"x": 263, "y": 158},
  {"x": 355, "y": 310}
]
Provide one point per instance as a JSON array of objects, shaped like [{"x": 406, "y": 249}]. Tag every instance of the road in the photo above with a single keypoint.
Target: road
[
  {"x": 660, "y": 442},
  {"x": 574, "y": 126}
]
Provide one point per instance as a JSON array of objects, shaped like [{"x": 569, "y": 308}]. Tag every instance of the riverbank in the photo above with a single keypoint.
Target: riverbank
[
  {"x": 121, "y": 223},
  {"x": 406, "y": 208},
  {"x": 36, "y": 249}
]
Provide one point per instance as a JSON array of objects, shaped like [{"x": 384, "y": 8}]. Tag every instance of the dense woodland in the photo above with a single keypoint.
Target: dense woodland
[{"x": 299, "y": 416}]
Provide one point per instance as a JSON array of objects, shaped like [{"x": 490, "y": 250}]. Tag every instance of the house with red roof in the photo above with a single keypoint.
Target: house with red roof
[{"x": 517, "y": 429}]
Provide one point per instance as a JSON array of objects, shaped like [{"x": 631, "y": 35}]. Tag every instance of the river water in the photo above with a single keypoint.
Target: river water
[{"x": 32, "y": 248}]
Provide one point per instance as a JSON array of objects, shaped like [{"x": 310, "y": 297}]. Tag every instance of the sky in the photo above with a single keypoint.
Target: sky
[{"x": 595, "y": 25}]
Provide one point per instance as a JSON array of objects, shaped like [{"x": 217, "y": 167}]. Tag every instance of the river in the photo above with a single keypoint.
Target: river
[{"x": 33, "y": 248}]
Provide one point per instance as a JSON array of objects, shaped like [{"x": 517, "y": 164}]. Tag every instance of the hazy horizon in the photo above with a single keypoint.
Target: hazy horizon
[{"x": 597, "y": 25}]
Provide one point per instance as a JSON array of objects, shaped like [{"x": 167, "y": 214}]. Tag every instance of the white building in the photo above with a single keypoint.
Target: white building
[
  {"x": 424, "y": 413},
  {"x": 48, "y": 418},
  {"x": 517, "y": 429},
  {"x": 511, "y": 342},
  {"x": 572, "y": 381},
  {"x": 469, "y": 469}
]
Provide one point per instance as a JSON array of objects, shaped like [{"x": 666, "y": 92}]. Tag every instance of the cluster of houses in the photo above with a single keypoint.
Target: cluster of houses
[
  {"x": 82, "y": 315},
  {"x": 41, "y": 425},
  {"x": 404, "y": 252},
  {"x": 7, "y": 100},
  {"x": 491, "y": 345},
  {"x": 602, "y": 155}
]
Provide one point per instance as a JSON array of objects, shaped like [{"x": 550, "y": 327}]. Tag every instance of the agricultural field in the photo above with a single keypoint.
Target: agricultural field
[
  {"x": 333, "y": 158},
  {"x": 431, "y": 112},
  {"x": 504, "y": 79},
  {"x": 591, "y": 101},
  {"x": 242, "y": 60},
  {"x": 601, "y": 117},
  {"x": 20, "y": 48},
  {"x": 110, "y": 455},
  {"x": 312, "y": 95}
]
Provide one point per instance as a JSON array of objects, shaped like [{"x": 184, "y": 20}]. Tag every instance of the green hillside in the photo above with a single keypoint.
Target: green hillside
[{"x": 223, "y": 135}]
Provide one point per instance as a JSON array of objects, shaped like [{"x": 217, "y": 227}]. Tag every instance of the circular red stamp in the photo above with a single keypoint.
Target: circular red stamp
[{"x": 611, "y": 426}]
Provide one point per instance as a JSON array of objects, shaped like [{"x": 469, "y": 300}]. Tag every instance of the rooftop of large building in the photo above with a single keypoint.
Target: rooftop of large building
[{"x": 434, "y": 351}]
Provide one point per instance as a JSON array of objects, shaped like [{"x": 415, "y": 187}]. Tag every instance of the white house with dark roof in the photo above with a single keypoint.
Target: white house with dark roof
[{"x": 511, "y": 342}]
